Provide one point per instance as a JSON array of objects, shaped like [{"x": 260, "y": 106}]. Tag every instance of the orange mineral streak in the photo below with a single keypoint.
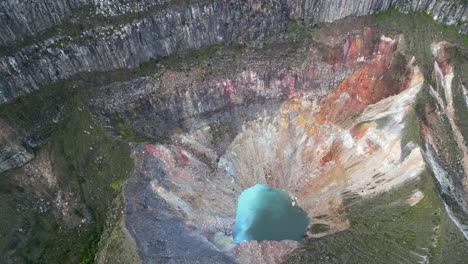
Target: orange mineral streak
[
  {"x": 331, "y": 157},
  {"x": 359, "y": 46},
  {"x": 331, "y": 154},
  {"x": 327, "y": 158},
  {"x": 329, "y": 203},
  {"x": 415, "y": 199},
  {"x": 445, "y": 65},
  {"x": 367, "y": 85},
  {"x": 443, "y": 58},
  {"x": 357, "y": 131},
  {"x": 371, "y": 147}
]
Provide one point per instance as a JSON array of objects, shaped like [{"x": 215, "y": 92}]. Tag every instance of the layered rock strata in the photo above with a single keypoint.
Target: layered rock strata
[
  {"x": 174, "y": 29},
  {"x": 23, "y": 19}
]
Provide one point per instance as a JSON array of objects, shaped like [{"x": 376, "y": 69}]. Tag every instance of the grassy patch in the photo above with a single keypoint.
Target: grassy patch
[
  {"x": 219, "y": 133},
  {"x": 385, "y": 229},
  {"x": 419, "y": 30},
  {"x": 116, "y": 244},
  {"x": 319, "y": 228},
  {"x": 293, "y": 26},
  {"x": 411, "y": 132},
  {"x": 460, "y": 105},
  {"x": 92, "y": 161},
  {"x": 124, "y": 130},
  {"x": 39, "y": 110},
  {"x": 88, "y": 160}
]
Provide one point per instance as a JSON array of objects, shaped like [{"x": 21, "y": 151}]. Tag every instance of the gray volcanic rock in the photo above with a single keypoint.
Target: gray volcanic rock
[
  {"x": 246, "y": 85},
  {"x": 19, "y": 18},
  {"x": 158, "y": 35},
  {"x": 316, "y": 11},
  {"x": 450, "y": 166},
  {"x": 181, "y": 28},
  {"x": 160, "y": 235},
  {"x": 12, "y": 153}
]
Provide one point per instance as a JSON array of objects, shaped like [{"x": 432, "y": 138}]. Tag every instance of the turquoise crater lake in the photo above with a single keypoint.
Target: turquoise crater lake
[{"x": 268, "y": 214}]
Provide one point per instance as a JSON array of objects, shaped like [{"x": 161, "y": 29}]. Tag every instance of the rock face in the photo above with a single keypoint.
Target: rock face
[
  {"x": 12, "y": 152},
  {"x": 174, "y": 29},
  {"x": 170, "y": 101},
  {"x": 21, "y": 19},
  {"x": 443, "y": 116}
]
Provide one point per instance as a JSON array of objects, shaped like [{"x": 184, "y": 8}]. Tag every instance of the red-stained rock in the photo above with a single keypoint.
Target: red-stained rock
[{"x": 376, "y": 80}]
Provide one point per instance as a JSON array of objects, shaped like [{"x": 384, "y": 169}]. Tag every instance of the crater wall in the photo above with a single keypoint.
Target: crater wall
[{"x": 170, "y": 28}]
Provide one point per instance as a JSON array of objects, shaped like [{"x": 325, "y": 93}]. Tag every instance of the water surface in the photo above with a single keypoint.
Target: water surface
[{"x": 268, "y": 214}]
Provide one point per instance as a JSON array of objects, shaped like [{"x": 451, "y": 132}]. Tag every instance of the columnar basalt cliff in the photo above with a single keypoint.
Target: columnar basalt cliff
[
  {"x": 22, "y": 19},
  {"x": 130, "y": 141},
  {"x": 173, "y": 29}
]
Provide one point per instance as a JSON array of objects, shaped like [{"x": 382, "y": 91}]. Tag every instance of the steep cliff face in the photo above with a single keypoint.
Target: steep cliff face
[
  {"x": 28, "y": 18},
  {"x": 444, "y": 114},
  {"x": 20, "y": 19},
  {"x": 175, "y": 28}
]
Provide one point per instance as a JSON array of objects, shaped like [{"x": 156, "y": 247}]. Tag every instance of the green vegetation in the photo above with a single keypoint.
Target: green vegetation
[
  {"x": 11, "y": 198},
  {"x": 293, "y": 26},
  {"x": 32, "y": 109},
  {"x": 385, "y": 229},
  {"x": 319, "y": 228},
  {"x": 411, "y": 132},
  {"x": 219, "y": 133},
  {"x": 124, "y": 130},
  {"x": 89, "y": 161},
  {"x": 419, "y": 30},
  {"x": 459, "y": 103},
  {"x": 92, "y": 162},
  {"x": 74, "y": 30},
  {"x": 118, "y": 246}
]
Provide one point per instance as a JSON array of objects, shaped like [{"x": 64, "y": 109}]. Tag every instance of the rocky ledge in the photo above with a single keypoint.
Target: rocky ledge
[{"x": 168, "y": 29}]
